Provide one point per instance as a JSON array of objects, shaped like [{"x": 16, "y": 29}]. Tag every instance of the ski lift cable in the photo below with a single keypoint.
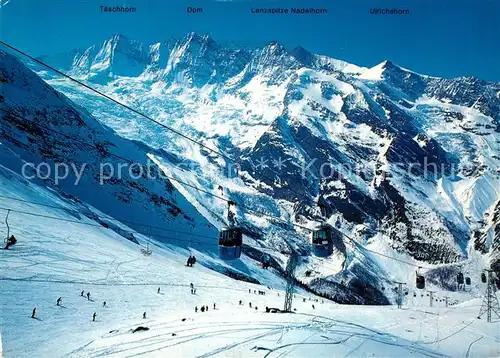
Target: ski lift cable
[
  {"x": 114, "y": 100},
  {"x": 118, "y": 156},
  {"x": 107, "y": 217},
  {"x": 249, "y": 210},
  {"x": 148, "y": 117},
  {"x": 189, "y": 240},
  {"x": 175, "y": 132},
  {"x": 94, "y": 225}
]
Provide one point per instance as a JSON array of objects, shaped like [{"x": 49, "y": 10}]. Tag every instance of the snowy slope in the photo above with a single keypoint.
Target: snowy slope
[{"x": 66, "y": 134}]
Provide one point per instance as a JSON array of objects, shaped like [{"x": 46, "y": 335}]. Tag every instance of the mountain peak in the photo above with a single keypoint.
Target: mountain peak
[{"x": 302, "y": 55}]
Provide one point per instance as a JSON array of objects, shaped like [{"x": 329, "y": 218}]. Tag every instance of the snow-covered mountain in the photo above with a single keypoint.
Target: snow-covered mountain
[{"x": 412, "y": 161}]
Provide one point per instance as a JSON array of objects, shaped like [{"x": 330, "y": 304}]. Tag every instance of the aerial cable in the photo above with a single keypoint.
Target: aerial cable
[
  {"x": 117, "y": 156},
  {"x": 94, "y": 225},
  {"x": 167, "y": 176},
  {"x": 107, "y": 217},
  {"x": 113, "y": 100},
  {"x": 149, "y": 118},
  {"x": 173, "y": 131},
  {"x": 197, "y": 241}
]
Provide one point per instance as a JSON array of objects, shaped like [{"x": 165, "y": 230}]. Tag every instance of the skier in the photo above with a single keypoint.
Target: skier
[
  {"x": 256, "y": 308},
  {"x": 33, "y": 313},
  {"x": 189, "y": 261},
  {"x": 313, "y": 307},
  {"x": 250, "y": 304},
  {"x": 88, "y": 296},
  {"x": 58, "y": 301},
  {"x": 249, "y": 291},
  {"x": 196, "y": 309},
  {"x": 193, "y": 260},
  {"x": 10, "y": 241},
  {"x": 158, "y": 290},
  {"x": 214, "y": 306},
  {"x": 144, "y": 315},
  {"x": 240, "y": 303},
  {"x": 194, "y": 291},
  {"x": 81, "y": 294},
  {"x": 191, "y": 284},
  {"x": 104, "y": 304},
  {"x": 93, "y": 317},
  {"x": 202, "y": 308}
]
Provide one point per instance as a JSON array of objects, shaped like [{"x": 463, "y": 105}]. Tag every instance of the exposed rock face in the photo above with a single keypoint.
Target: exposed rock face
[{"x": 411, "y": 157}]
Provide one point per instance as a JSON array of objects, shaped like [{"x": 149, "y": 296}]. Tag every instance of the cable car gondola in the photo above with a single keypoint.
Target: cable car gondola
[
  {"x": 483, "y": 278},
  {"x": 230, "y": 238},
  {"x": 325, "y": 237},
  {"x": 420, "y": 280},
  {"x": 322, "y": 241}
]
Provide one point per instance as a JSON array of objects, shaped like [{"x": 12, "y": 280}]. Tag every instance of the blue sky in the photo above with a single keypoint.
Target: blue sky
[{"x": 440, "y": 38}]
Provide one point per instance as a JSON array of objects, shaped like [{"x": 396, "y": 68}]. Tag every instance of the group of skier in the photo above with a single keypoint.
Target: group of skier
[
  {"x": 203, "y": 308},
  {"x": 191, "y": 261},
  {"x": 88, "y": 295}
]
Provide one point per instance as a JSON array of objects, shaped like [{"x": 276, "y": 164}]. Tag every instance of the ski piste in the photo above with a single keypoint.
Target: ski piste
[{"x": 243, "y": 241}]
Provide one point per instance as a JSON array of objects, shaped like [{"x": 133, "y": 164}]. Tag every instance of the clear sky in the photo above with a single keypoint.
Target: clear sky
[{"x": 440, "y": 38}]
